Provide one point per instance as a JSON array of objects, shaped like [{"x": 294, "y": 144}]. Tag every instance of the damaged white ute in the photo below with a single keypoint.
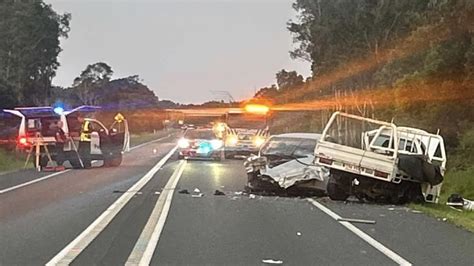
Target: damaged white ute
[{"x": 285, "y": 164}]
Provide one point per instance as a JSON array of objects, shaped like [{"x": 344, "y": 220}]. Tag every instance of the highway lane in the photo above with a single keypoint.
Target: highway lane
[{"x": 38, "y": 220}]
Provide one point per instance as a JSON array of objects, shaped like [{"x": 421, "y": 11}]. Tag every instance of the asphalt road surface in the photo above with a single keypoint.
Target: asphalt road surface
[{"x": 134, "y": 214}]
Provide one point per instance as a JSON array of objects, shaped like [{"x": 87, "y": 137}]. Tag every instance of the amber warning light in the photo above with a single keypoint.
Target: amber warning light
[{"x": 256, "y": 108}]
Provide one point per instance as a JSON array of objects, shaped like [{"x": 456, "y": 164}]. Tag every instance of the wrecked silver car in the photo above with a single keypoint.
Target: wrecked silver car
[{"x": 285, "y": 164}]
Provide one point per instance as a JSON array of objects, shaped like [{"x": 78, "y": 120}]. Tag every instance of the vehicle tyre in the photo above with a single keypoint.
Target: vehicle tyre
[
  {"x": 114, "y": 161},
  {"x": 75, "y": 163},
  {"x": 336, "y": 191}
]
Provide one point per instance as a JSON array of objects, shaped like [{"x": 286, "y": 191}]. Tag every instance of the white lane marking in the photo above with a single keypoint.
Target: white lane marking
[
  {"x": 73, "y": 249},
  {"x": 145, "y": 246},
  {"x": 374, "y": 243},
  {"x": 65, "y": 171},
  {"x": 32, "y": 182}
]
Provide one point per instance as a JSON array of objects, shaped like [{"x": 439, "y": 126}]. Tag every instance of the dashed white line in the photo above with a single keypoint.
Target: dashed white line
[
  {"x": 73, "y": 249},
  {"x": 374, "y": 243},
  {"x": 65, "y": 171},
  {"x": 145, "y": 246}
]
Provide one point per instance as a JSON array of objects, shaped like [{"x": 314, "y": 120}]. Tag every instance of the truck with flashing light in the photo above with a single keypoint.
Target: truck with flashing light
[
  {"x": 245, "y": 130},
  {"x": 380, "y": 161}
]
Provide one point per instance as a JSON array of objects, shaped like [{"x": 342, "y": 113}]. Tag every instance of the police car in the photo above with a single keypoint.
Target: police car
[
  {"x": 200, "y": 143},
  {"x": 32, "y": 126}
]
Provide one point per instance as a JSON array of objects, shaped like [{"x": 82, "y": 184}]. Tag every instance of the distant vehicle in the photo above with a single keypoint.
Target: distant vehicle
[
  {"x": 285, "y": 162},
  {"x": 380, "y": 161},
  {"x": 39, "y": 124},
  {"x": 245, "y": 130},
  {"x": 200, "y": 143}
]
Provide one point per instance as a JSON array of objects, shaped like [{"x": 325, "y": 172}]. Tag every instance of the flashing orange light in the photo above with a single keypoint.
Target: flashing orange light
[{"x": 256, "y": 108}]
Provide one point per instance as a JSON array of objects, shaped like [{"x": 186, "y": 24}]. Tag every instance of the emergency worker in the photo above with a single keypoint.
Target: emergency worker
[{"x": 85, "y": 141}]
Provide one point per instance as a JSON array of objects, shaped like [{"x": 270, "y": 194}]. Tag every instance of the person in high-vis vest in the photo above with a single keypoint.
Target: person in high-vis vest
[{"x": 85, "y": 141}]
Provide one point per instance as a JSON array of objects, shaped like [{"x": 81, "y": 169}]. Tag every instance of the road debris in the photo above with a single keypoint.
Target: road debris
[
  {"x": 200, "y": 195},
  {"x": 355, "y": 220},
  {"x": 157, "y": 192},
  {"x": 272, "y": 261},
  {"x": 238, "y": 193},
  {"x": 219, "y": 193},
  {"x": 298, "y": 233},
  {"x": 183, "y": 191},
  {"x": 458, "y": 202},
  {"x": 416, "y": 211},
  {"x": 196, "y": 190},
  {"x": 252, "y": 196},
  {"x": 154, "y": 151},
  {"x": 391, "y": 209}
]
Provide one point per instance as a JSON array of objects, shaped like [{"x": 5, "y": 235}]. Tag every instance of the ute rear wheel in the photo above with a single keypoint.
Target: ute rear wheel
[{"x": 336, "y": 190}]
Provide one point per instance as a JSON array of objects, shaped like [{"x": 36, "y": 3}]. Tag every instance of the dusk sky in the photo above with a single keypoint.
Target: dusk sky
[{"x": 182, "y": 49}]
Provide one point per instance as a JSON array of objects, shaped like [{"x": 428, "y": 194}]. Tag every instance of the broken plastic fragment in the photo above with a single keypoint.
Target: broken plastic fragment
[
  {"x": 298, "y": 233},
  {"x": 238, "y": 193},
  {"x": 252, "y": 196},
  {"x": 271, "y": 261},
  {"x": 157, "y": 193},
  {"x": 196, "y": 190},
  {"x": 197, "y": 195}
]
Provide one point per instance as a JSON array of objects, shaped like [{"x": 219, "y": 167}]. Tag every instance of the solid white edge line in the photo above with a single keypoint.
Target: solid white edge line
[
  {"x": 32, "y": 181},
  {"x": 67, "y": 170},
  {"x": 374, "y": 243},
  {"x": 145, "y": 246},
  {"x": 75, "y": 247}
]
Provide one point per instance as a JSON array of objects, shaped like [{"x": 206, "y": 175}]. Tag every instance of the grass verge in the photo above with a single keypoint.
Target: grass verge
[
  {"x": 460, "y": 182},
  {"x": 9, "y": 162}
]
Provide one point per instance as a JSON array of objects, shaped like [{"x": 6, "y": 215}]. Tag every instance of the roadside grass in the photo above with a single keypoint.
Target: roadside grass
[
  {"x": 460, "y": 182},
  {"x": 9, "y": 162}
]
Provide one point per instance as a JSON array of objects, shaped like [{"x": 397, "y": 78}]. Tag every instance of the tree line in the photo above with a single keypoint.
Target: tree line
[
  {"x": 30, "y": 34},
  {"x": 407, "y": 60}
]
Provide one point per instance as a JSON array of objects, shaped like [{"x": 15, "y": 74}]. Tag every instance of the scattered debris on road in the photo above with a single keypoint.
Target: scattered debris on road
[
  {"x": 238, "y": 193},
  {"x": 272, "y": 261},
  {"x": 298, "y": 233},
  {"x": 219, "y": 193},
  {"x": 200, "y": 195},
  {"x": 252, "y": 196},
  {"x": 355, "y": 220},
  {"x": 458, "y": 202},
  {"x": 157, "y": 192},
  {"x": 183, "y": 191},
  {"x": 196, "y": 190},
  {"x": 416, "y": 211}
]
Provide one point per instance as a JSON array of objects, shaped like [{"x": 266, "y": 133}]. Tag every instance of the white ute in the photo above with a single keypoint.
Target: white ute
[{"x": 379, "y": 161}]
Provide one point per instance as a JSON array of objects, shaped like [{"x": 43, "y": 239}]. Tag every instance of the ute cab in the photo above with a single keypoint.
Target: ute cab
[{"x": 38, "y": 125}]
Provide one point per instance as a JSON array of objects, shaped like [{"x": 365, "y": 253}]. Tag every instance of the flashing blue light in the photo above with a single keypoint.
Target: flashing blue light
[{"x": 58, "y": 110}]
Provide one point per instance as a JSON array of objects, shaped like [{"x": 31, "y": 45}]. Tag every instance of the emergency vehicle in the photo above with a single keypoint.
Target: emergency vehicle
[
  {"x": 28, "y": 126},
  {"x": 245, "y": 129}
]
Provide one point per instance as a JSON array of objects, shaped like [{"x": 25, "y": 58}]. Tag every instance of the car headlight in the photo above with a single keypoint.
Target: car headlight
[
  {"x": 183, "y": 143},
  {"x": 216, "y": 144},
  {"x": 258, "y": 141},
  {"x": 232, "y": 140}
]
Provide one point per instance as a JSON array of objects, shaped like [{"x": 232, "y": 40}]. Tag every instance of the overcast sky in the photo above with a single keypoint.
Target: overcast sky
[{"x": 182, "y": 49}]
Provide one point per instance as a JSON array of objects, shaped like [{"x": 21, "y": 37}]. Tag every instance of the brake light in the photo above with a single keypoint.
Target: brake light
[
  {"x": 22, "y": 141},
  {"x": 380, "y": 174},
  {"x": 325, "y": 160}
]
